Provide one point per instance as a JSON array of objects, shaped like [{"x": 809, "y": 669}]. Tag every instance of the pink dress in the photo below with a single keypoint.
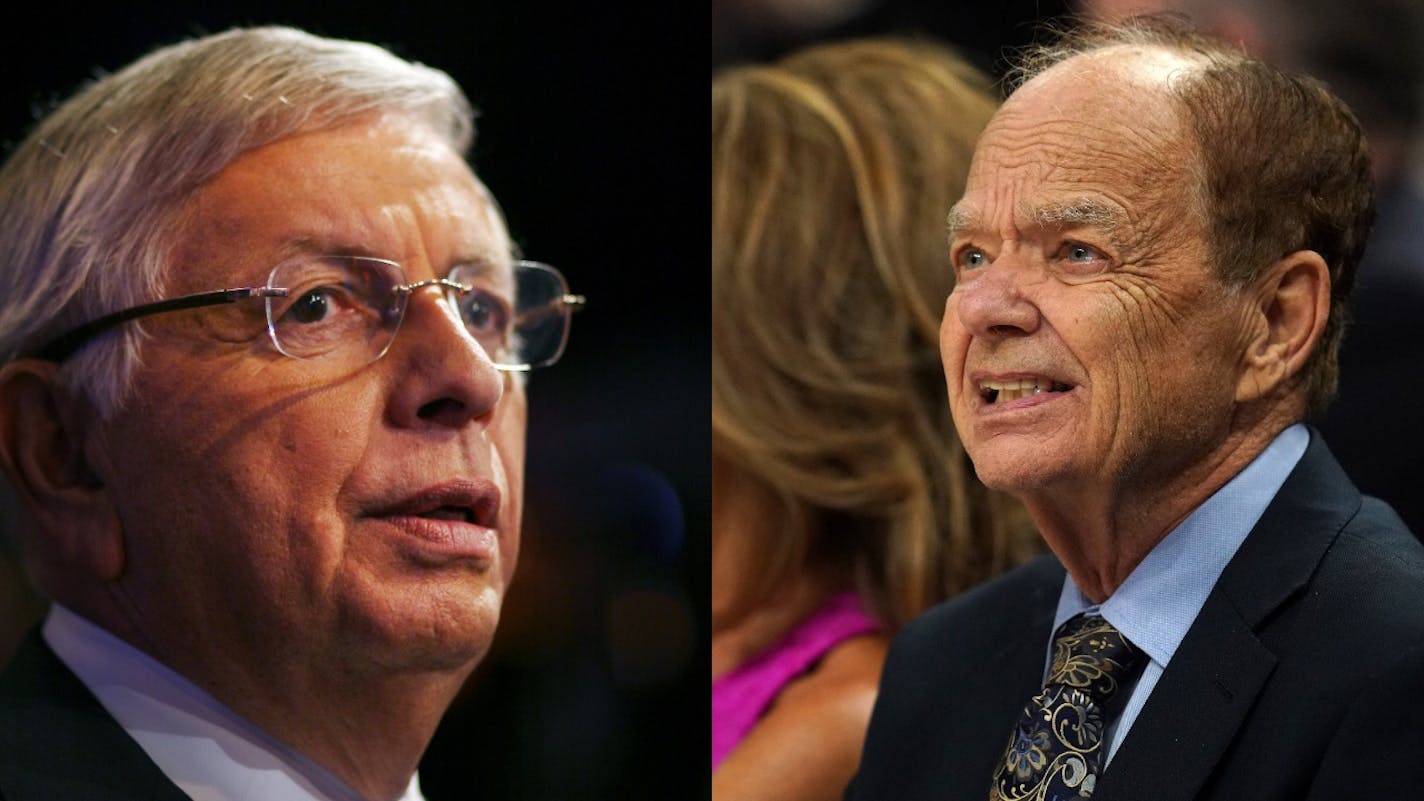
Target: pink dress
[{"x": 741, "y": 697}]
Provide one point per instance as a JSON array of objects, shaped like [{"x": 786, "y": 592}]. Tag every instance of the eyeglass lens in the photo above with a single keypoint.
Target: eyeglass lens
[{"x": 350, "y": 307}]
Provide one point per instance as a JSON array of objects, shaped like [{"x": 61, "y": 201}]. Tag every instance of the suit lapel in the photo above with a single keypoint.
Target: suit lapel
[
  {"x": 1019, "y": 667},
  {"x": 58, "y": 744},
  {"x": 955, "y": 683},
  {"x": 1221, "y": 666},
  {"x": 1193, "y": 712}
]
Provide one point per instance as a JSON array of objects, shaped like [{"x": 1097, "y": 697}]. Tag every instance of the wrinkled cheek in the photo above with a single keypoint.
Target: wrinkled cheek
[
  {"x": 1121, "y": 373},
  {"x": 318, "y": 544},
  {"x": 1158, "y": 402}
]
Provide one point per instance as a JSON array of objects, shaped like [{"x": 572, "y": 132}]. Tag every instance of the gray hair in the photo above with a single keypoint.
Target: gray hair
[{"x": 91, "y": 200}]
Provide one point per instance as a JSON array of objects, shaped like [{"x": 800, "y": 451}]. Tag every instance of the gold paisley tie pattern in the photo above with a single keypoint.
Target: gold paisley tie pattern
[{"x": 1056, "y": 751}]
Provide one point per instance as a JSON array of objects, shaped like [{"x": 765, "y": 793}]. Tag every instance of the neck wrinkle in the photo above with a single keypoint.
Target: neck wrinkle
[{"x": 1100, "y": 539}]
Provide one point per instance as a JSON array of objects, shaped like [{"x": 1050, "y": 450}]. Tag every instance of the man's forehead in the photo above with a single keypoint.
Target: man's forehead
[
  {"x": 1097, "y": 140},
  {"x": 1132, "y": 67},
  {"x": 1120, "y": 90},
  {"x": 318, "y": 187}
]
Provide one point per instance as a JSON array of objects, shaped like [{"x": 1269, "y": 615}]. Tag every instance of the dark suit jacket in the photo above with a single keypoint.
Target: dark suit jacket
[
  {"x": 58, "y": 744},
  {"x": 1302, "y": 677}
]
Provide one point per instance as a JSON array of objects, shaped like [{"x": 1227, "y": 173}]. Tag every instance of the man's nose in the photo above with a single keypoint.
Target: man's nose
[
  {"x": 992, "y": 302},
  {"x": 448, "y": 379}
]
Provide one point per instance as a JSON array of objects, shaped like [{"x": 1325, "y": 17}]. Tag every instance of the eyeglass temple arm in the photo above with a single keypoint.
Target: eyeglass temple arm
[
  {"x": 66, "y": 344},
  {"x": 556, "y": 306}
]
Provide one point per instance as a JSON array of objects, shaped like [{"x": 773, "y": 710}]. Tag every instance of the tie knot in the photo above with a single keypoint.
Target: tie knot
[{"x": 1089, "y": 654}]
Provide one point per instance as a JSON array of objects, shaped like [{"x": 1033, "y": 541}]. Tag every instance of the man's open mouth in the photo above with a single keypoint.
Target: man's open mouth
[
  {"x": 456, "y": 500},
  {"x": 457, "y": 513},
  {"x": 1002, "y": 391}
]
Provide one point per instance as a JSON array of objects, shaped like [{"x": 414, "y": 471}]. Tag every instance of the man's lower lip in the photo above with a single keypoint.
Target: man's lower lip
[{"x": 453, "y": 539}]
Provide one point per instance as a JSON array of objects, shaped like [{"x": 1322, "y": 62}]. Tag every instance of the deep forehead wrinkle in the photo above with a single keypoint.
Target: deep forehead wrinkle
[{"x": 1075, "y": 212}]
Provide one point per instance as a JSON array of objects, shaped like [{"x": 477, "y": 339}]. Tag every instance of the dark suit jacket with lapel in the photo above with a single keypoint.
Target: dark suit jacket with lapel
[
  {"x": 58, "y": 744},
  {"x": 1302, "y": 677}
]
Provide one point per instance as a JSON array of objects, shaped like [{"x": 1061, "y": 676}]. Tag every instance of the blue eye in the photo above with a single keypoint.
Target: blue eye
[
  {"x": 971, "y": 258},
  {"x": 1078, "y": 253}
]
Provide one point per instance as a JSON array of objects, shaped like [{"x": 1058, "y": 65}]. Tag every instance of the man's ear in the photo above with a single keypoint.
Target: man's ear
[
  {"x": 1291, "y": 306},
  {"x": 42, "y": 439}
]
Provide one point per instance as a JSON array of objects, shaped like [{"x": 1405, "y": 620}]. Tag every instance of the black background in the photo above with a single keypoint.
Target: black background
[{"x": 591, "y": 133}]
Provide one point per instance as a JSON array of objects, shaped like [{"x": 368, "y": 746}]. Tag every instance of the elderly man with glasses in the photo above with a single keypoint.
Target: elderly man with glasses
[{"x": 263, "y": 337}]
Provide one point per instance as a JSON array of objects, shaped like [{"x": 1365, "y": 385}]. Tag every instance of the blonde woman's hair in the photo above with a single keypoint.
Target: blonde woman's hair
[{"x": 832, "y": 172}]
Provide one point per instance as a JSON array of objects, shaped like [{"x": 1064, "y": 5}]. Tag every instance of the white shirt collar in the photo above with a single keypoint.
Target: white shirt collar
[{"x": 205, "y": 748}]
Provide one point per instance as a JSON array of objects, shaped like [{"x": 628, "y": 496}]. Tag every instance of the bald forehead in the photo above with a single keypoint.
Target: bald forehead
[
  {"x": 1097, "y": 140},
  {"x": 1132, "y": 67},
  {"x": 1117, "y": 101}
]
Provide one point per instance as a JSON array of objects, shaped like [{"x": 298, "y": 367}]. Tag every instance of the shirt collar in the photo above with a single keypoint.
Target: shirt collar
[
  {"x": 1157, "y": 603},
  {"x": 201, "y": 745}
]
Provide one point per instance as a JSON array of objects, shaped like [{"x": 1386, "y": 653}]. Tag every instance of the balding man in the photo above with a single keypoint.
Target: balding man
[{"x": 1154, "y": 251}]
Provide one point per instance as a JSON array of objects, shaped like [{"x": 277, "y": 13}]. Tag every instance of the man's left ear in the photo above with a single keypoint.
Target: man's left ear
[{"x": 1292, "y": 302}]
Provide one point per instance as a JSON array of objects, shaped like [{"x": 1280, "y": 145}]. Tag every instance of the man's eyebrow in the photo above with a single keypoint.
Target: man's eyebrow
[
  {"x": 960, "y": 220},
  {"x": 1088, "y": 212}
]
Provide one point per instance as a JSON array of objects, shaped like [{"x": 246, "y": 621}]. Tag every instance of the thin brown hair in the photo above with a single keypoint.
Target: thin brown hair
[{"x": 832, "y": 171}]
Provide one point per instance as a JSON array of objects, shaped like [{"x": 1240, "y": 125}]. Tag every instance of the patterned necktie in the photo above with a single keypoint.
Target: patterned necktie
[{"x": 1056, "y": 751}]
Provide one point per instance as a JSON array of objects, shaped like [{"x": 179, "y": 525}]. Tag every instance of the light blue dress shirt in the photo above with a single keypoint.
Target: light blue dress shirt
[
  {"x": 1163, "y": 595},
  {"x": 201, "y": 745}
]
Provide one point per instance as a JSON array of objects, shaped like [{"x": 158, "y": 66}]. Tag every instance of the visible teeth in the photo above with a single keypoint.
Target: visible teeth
[{"x": 1002, "y": 391}]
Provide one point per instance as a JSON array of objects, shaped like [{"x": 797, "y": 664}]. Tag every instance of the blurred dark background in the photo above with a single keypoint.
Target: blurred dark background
[
  {"x": 983, "y": 33},
  {"x": 591, "y": 133}
]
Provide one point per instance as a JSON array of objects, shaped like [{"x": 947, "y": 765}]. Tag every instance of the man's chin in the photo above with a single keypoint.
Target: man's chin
[
  {"x": 430, "y": 631},
  {"x": 1019, "y": 475}
]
